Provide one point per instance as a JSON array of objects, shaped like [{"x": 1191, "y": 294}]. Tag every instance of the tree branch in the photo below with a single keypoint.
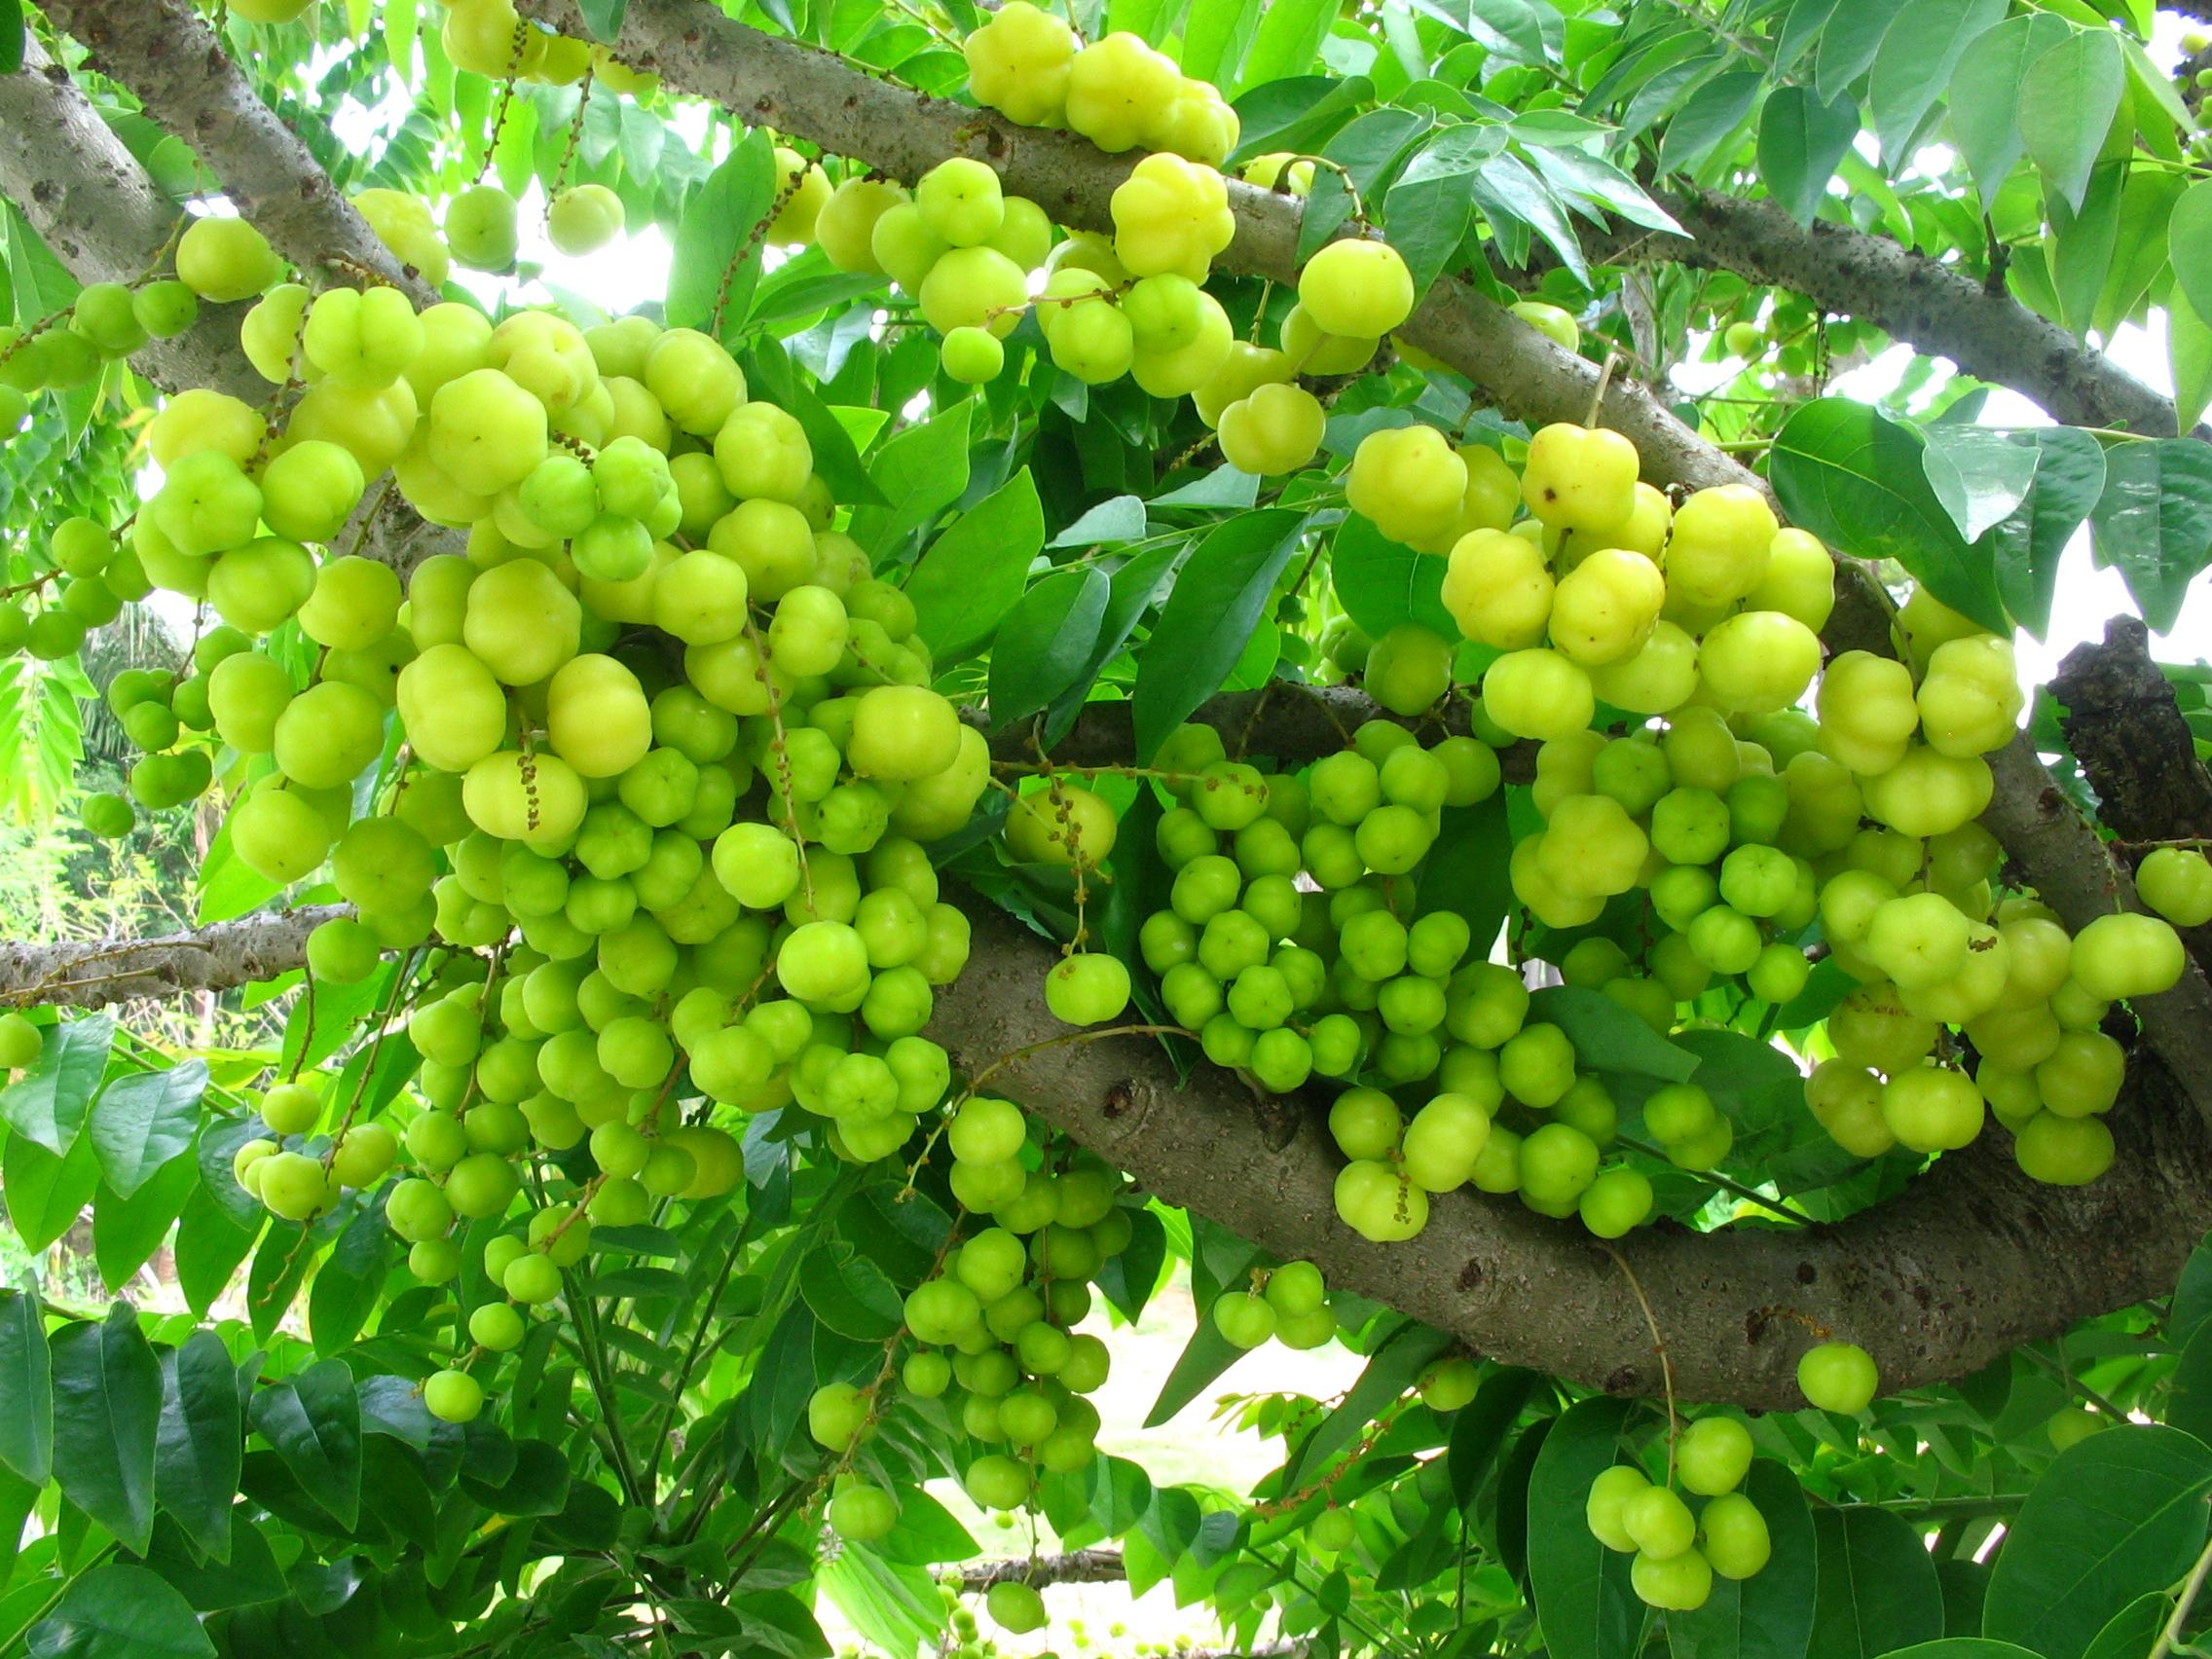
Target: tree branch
[
  {"x": 102, "y": 214},
  {"x": 1971, "y": 1261},
  {"x": 1076, "y": 1566},
  {"x": 166, "y": 54},
  {"x": 1930, "y": 305},
  {"x": 95, "y": 972}
]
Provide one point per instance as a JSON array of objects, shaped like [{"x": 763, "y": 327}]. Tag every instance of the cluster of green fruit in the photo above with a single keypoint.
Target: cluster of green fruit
[
  {"x": 1117, "y": 91},
  {"x": 991, "y": 1331},
  {"x": 1732, "y": 820},
  {"x": 664, "y": 756},
  {"x": 1289, "y": 1302},
  {"x": 108, "y": 320}
]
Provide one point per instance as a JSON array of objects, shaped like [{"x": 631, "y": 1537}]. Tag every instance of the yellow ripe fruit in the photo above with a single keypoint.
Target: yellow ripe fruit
[
  {"x": 1538, "y": 693},
  {"x": 402, "y": 222},
  {"x": 1969, "y": 699},
  {"x": 1409, "y": 480},
  {"x": 583, "y": 219},
  {"x": 1358, "y": 287},
  {"x": 1182, "y": 370},
  {"x": 1019, "y": 64},
  {"x": 1493, "y": 491},
  {"x": 974, "y": 287},
  {"x": 1199, "y": 125},
  {"x": 1867, "y": 711},
  {"x": 844, "y": 227},
  {"x": 1928, "y": 622},
  {"x": 1499, "y": 589},
  {"x": 1276, "y": 430},
  {"x": 1717, "y": 551},
  {"x": 1318, "y": 354},
  {"x": 1928, "y": 794},
  {"x": 376, "y": 426},
  {"x": 452, "y": 707},
  {"x": 199, "y": 419},
  {"x": 1116, "y": 90},
  {"x": 226, "y": 259},
  {"x": 1657, "y": 680},
  {"x": 1643, "y": 531},
  {"x": 809, "y": 187},
  {"x": 1799, "y": 580},
  {"x": 534, "y": 798},
  {"x": 596, "y": 716},
  {"x": 1171, "y": 215},
  {"x": 1758, "y": 661},
  {"x": 1281, "y": 169},
  {"x": 1605, "y": 608},
  {"x": 1243, "y": 369},
  {"x": 1580, "y": 478},
  {"x": 1554, "y": 323}
]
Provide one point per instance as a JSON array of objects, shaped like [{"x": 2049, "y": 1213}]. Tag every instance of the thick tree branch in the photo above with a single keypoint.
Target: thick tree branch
[
  {"x": 102, "y": 214},
  {"x": 1076, "y": 1566},
  {"x": 166, "y": 54},
  {"x": 1972, "y": 1259},
  {"x": 1930, "y": 305},
  {"x": 95, "y": 972}
]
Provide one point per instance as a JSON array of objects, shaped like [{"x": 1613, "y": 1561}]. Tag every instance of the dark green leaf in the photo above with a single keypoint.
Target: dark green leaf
[
  {"x": 209, "y": 1246},
  {"x": 2192, "y": 1304},
  {"x": 1607, "y": 1037},
  {"x": 972, "y": 575},
  {"x": 200, "y": 1441},
  {"x": 314, "y": 1421},
  {"x": 2069, "y": 480},
  {"x": 12, "y": 36},
  {"x": 1382, "y": 584},
  {"x": 1850, "y": 41},
  {"x": 1985, "y": 97},
  {"x": 718, "y": 222},
  {"x": 1465, "y": 870},
  {"x": 26, "y": 1389},
  {"x": 126, "y": 1231},
  {"x": 1205, "y": 1356},
  {"x": 2133, "y": 1629},
  {"x": 1877, "y": 1587},
  {"x": 1367, "y": 150},
  {"x": 1801, "y": 142},
  {"x": 1044, "y": 641},
  {"x": 1712, "y": 112},
  {"x": 48, "y": 1102},
  {"x": 1769, "y": 1615},
  {"x": 1962, "y": 1647},
  {"x": 1916, "y": 60},
  {"x": 1855, "y": 478},
  {"x": 1479, "y": 1431},
  {"x": 1299, "y": 113},
  {"x": 2082, "y": 244},
  {"x": 117, "y": 1611},
  {"x": 2116, "y": 1516},
  {"x": 140, "y": 1122},
  {"x": 1215, "y": 604},
  {"x": 2153, "y": 522},
  {"x": 107, "y": 1410},
  {"x": 2068, "y": 99},
  {"x": 1429, "y": 209},
  {"x": 1583, "y": 1599}
]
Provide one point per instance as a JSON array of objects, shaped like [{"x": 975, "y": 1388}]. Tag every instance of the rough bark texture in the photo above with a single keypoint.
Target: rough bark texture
[
  {"x": 1930, "y": 305},
  {"x": 1971, "y": 1261},
  {"x": 1076, "y": 1566},
  {"x": 95, "y": 972},
  {"x": 166, "y": 54},
  {"x": 103, "y": 216}
]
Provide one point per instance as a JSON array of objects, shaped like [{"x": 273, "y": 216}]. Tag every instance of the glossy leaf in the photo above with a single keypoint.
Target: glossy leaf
[
  {"x": 201, "y": 1441},
  {"x": 314, "y": 1422},
  {"x": 1210, "y": 613},
  {"x": 718, "y": 221},
  {"x": 48, "y": 1103},
  {"x": 2069, "y": 480},
  {"x": 972, "y": 575},
  {"x": 1581, "y": 1588},
  {"x": 2068, "y": 98},
  {"x": 1770, "y": 1614},
  {"x": 107, "y": 1409},
  {"x": 2189, "y": 246},
  {"x": 1979, "y": 475},
  {"x": 1044, "y": 641},
  {"x": 140, "y": 1122},
  {"x": 118, "y": 1611},
  {"x": 1986, "y": 103},
  {"x": 2118, "y": 1515},
  {"x": 26, "y": 1389},
  {"x": 1801, "y": 142},
  {"x": 1915, "y": 63},
  {"x": 1607, "y": 1037},
  {"x": 2153, "y": 522},
  {"x": 1877, "y": 1589}
]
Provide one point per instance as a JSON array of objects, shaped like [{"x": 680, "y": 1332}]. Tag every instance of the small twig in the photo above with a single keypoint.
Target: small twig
[
  {"x": 1659, "y": 1347},
  {"x": 2187, "y": 1600}
]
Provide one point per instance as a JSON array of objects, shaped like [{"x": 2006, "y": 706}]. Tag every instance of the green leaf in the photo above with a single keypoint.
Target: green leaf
[
  {"x": 2133, "y": 1629},
  {"x": 1290, "y": 34},
  {"x": 1712, "y": 112},
  {"x": 1769, "y": 1615},
  {"x": 1480, "y": 1429},
  {"x": 107, "y": 1409},
  {"x": 2189, "y": 353},
  {"x": 314, "y": 1421},
  {"x": 140, "y": 1122},
  {"x": 201, "y": 1441},
  {"x": 1134, "y": 584},
  {"x": 2069, "y": 478},
  {"x": 2068, "y": 99},
  {"x": 1382, "y": 584},
  {"x": 26, "y": 1389},
  {"x": 126, "y": 1231},
  {"x": 117, "y": 1611},
  {"x": 1044, "y": 641},
  {"x": 1205, "y": 1356},
  {"x": 48, "y": 1102},
  {"x": 1850, "y": 41},
  {"x": 970, "y": 578},
  {"x": 718, "y": 221},
  {"x": 2114, "y": 1517},
  {"x": 12, "y": 36},
  {"x": 1210, "y": 613},
  {"x": 46, "y": 1193},
  {"x": 1877, "y": 1587},
  {"x": 604, "y": 17},
  {"x": 1299, "y": 113},
  {"x": 1607, "y": 1037},
  {"x": 1856, "y": 479},
  {"x": 1801, "y": 143},
  {"x": 2082, "y": 246},
  {"x": 1118, "y": 518},
  {"x": 920, "y": 472},
  {"x": 1391, "y": 1371},
  {"x": 1215, "y": 38},
  {"x": 1917, "y": 59},
  {"x": 1581, "y": 1589},
  {"x": 1465, "y": 870},
  {"x": 1963, "y": 1647},
  {"x": 2192, "y": 1304},
  {"x": 2153, "y": 522},
  {"x": 2189, "y": 246},
  {"x": 1367, "y": 150},
  {"x": 1429, "y": 209},
  {"x": 1981, "y": 476},
  {"x": 1985, "y": 97},
  {"x": 1223, "y": 487}
]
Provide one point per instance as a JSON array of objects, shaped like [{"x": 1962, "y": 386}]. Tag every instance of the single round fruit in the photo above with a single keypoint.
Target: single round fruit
[{"x": 1838, "y": 1377}]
